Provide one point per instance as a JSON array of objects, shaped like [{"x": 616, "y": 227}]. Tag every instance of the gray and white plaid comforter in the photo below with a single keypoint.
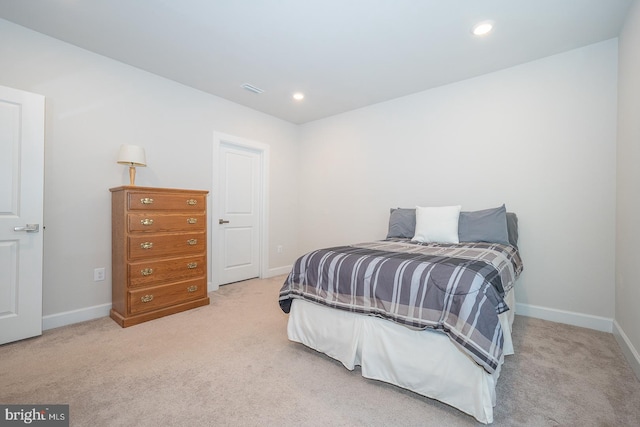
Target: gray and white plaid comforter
[{"x": 454, "y": 288}]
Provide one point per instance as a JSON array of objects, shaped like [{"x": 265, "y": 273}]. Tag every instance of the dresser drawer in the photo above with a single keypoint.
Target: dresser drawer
[
  {"x": 153, "y": 298},
  {"x": 174, "y": 202},
  {"x": 162, "y": 245},
  {"x": 145, "y": 273},
  {"x": 157, "y": 222}
]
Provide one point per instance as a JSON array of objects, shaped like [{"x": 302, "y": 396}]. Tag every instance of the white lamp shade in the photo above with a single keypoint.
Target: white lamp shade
[{"x": 132, "y": 155}]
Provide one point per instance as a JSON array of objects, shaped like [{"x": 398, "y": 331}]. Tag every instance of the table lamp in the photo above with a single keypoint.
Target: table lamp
[{"x": 133, "y": 156}]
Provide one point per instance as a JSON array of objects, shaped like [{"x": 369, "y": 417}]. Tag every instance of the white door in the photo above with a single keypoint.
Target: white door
[
  {"x": 21, "y": 212},
  {"x": 239, "y": 213}
]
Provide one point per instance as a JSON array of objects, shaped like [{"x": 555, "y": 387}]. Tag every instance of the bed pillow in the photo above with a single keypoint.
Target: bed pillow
[
  {"x": 437, "y": 224},
  {"x": 488, "y": 225},
  {"x": 512, "y": 228},
  {"x": 402, "y": 223}
]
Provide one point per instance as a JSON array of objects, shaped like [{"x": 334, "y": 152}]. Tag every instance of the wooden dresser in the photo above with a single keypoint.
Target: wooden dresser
[{"x": 159, "y": 252}]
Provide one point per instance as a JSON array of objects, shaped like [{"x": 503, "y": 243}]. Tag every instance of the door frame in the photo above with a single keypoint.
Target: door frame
[{"x": 262, "y": 149}]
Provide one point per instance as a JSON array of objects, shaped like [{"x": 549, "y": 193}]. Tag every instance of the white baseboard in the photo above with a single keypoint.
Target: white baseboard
[
  {"x": 627, "y": 348},
  {"x": 70, "y": 317},
  {"x": 602, "y": 324},
  {"x": 278, "y": 271}
]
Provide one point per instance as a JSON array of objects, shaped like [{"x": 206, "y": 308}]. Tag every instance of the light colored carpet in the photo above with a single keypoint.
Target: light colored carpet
[{"x": 230, "y": 364}]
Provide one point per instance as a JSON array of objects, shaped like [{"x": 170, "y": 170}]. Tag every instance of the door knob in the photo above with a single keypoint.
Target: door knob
[
  {"x": 222, "y": 221},
  {"x": 29, "y": 228}
]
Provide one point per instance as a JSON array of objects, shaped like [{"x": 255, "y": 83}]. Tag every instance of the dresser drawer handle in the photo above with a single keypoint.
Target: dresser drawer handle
[
  {"x": 192, "y": 242},
  {"x": 192, "y": 265},
  {"x": 146, "y": 271},
  {"x": 192, "y": 202},
  {"x": 146, "y": 200},
  {"x": 146, "y": 298},
  {"x": 146, "y": 245},
  {"x": 192, "y": 220},
  {"x": 146, "y": 221},
  {"x": 192, "y": 288}
]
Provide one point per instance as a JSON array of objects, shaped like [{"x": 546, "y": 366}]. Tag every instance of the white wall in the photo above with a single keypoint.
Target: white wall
[
  {"x": 94, "y": 104},
  {"x": 539, "y": 137},
  {"x": 628, "y": 195}
]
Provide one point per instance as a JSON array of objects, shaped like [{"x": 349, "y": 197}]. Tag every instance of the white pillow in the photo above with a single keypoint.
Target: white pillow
[{"x": 437, "y": 225}]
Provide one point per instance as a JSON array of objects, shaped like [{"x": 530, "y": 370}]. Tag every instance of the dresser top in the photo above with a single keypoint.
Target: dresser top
[{"x": 155, "y": 189}]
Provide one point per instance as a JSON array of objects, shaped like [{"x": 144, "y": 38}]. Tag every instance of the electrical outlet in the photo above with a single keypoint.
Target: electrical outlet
[
  {"x": 279, "y": 248},
  {"x": 98, "y": 274}
]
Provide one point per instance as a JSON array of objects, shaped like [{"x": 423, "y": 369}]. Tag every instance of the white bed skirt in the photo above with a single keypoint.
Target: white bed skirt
[{"x": 426, "y": 362}]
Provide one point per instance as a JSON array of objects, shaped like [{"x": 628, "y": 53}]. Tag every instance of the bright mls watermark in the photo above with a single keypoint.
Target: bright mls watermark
[{"x": 36, "y": 415}]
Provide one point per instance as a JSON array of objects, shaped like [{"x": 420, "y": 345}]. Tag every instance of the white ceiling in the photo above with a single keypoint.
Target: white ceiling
[{"x": 343, "y": 54}]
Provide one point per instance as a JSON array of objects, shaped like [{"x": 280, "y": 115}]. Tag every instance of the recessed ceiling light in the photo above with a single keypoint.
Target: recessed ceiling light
[
  {"x": 483, "y": 28},
  {"x": 298, "y": 96}
]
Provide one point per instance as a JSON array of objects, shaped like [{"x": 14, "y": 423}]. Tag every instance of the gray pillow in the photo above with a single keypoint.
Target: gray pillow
[
  {"x": 402, "y": 223},
  {"x": 488, "y": 225},
  {"x": 512, "y": 228}
]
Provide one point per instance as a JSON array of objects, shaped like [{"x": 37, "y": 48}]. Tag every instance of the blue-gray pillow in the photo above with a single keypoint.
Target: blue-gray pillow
[
  {"x": 512, "y": 228},
  {"x": 488, "y": 225},
  {"x": 402, "y": 223}
]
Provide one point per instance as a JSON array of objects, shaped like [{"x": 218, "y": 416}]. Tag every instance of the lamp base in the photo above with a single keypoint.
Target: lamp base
[{"x": 132, "y": 175}]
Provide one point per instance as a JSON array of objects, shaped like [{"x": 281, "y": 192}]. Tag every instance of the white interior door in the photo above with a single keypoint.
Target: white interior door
[
  {"x": 239, "y": 213},
  {"x": 21, "y": 213}
]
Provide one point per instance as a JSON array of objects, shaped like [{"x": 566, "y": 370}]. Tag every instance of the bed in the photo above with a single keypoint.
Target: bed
[{"x": 426, "y": 309}]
